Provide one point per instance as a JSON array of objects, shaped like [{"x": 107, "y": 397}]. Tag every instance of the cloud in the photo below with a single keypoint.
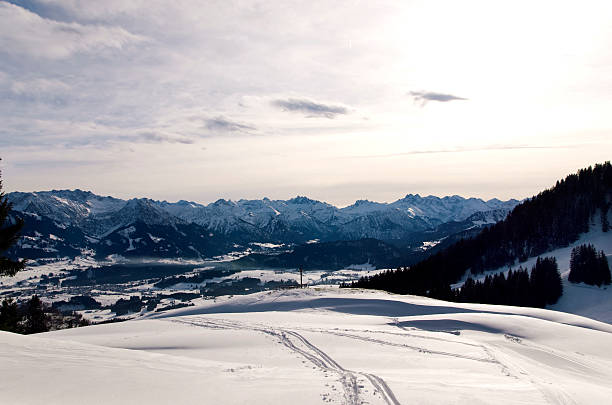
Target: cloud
[
  {"x": 463, "y": 150},
  {"x": 311, "y": 108},
  {"x": 49, "y": 134},
  {"x": 56, "y": 163},
  {"x": 155, "y": 137},
  {"x": 221, "y": 124},
  {"x": 51, "y": 91},
  {"x": 25, "y": 33},
  {"x": 69, "y": 10},
  {"x": 422, "y": 97},
  {"x": 99, "y": 78}
]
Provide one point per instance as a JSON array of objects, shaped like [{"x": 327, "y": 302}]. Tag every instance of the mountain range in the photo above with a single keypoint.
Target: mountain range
[{"x": 66, "y": 222}]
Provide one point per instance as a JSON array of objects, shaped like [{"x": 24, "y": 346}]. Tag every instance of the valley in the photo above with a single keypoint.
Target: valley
[
  {"x": 157, "y": 285},
  {"x": 79, "y": 244}
]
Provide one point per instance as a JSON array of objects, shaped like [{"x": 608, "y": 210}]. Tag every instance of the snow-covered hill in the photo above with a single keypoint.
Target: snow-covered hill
[
  {"x": 297, "y": 220},
  {"x": 582, "y": 299},
  {"x": 318, "y": 345}
]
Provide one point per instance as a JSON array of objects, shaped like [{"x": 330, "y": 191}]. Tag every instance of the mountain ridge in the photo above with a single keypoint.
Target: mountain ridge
[{"x": 226, "y": 222}]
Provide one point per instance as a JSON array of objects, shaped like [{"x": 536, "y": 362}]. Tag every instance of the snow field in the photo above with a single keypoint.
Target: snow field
[{"x": 318, "y": 345}]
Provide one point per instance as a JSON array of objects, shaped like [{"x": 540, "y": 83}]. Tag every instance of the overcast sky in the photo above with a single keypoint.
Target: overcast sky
[{"x": 336, "y": 100}]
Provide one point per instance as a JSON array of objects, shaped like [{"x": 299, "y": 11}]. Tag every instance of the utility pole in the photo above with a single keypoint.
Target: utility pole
[{"x": 301, "y": 285}]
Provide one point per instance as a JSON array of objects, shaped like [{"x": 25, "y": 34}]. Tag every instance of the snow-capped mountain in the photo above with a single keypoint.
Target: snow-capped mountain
[
  {"x": 488, "y": 217},
  {"x": 224, "y": 222},
  {"x": 301, "y": 219},
  {"x": 453, "y": 208},
  {"x": 97, "y": 216}
]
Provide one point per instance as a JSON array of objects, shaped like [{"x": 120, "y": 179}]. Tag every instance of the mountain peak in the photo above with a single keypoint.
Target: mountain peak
[
  {"x": 301, "y": 200},
  {"x": 456, "y": 197},
  {"x": 185, "y": 202}
]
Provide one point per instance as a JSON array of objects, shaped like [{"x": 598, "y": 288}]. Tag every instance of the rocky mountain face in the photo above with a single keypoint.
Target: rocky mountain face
[{"x": 75, "y": 220}]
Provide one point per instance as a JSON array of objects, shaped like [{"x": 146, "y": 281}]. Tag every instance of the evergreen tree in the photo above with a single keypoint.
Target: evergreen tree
[
  {"x": 545, "y": 282},
  {"x": 588, "y": 266},
  {"x": 9, "y": 316},
  {"x": 36, "y": 320},
  {"x": 604, "y": 268},
  {"x": 9, "y": 233}
]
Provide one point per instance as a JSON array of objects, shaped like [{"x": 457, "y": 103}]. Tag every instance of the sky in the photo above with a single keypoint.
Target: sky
[{"x": 337, "y": 101}]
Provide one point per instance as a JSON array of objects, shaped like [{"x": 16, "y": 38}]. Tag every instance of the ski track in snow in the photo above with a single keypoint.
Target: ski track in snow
[
  {"x": 550, "y": 395},
  {"x": 299, "y": 344},
  {"x": 411, "y": 347},
  {"x": 511, "y": 369}
]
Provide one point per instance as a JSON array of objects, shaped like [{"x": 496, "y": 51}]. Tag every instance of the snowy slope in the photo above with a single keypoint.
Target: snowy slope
[
  {"x": 582, "y": 299},
  {"x": 318, "y": 345}
]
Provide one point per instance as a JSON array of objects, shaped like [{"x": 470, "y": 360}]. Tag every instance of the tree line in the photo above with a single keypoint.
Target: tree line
[
  {"x": 553, "y": 218},
  {"x": 538, "y": 288},
  {"x": 33, "y": 316}
]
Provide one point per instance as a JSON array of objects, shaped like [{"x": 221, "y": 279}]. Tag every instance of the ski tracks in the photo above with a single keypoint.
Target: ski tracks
[
  {"x": 415, "y": 348},
  {"x": 349, "y": 379},
  {"x": 378, "y": 383},
  {"x": 382, "y": 387},
  {"x": 552, "y": 395},
  {"x": 302, "y": 346}
]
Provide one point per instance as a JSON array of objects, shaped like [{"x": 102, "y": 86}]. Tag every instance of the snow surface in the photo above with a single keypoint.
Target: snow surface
[{"x": 317, "y": 345}]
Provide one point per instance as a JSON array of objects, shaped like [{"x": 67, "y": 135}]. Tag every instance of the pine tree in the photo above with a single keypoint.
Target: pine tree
[
  {"x": 9, "y": 233},
  {"x": 36, "y": 320},
  {"x": 605, "y": 225},
  {"x": 545, "y": 281},
  {"x": 573, "y": 275},
  {"x": 604, "y": 268},
  {"x": 9, "y": 316},
  {"x": 588, "y": 266}
]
